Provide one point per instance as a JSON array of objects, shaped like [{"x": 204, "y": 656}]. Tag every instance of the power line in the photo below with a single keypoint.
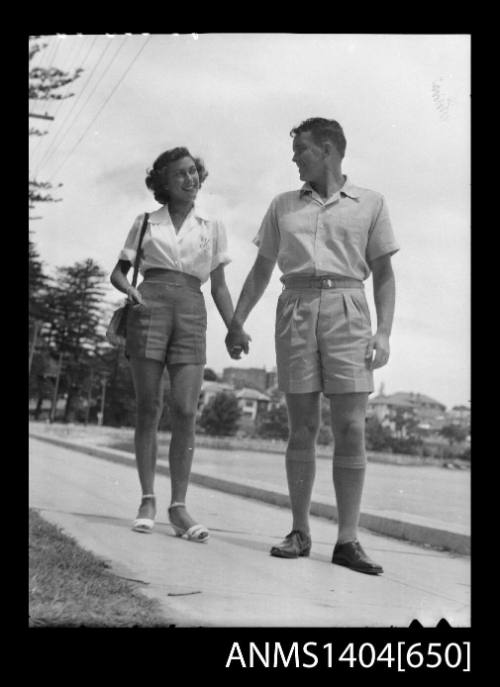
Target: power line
[
  {"x": 103, "y": 106},
  {"x": 39, "y": 55},
  {"x": 47, "y": 54},
  {"x": 55, "y": 150},
  {"x": 52, "y": 141},
  {"x": 57, "y": 45},
  {"x": 40, "y": 116},
  {"x": 75, "y": 60},
  {"x": 74, "y": 104}
]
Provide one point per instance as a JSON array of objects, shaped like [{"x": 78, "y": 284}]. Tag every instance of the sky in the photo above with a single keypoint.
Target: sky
[{"x": 232, "y": 99}]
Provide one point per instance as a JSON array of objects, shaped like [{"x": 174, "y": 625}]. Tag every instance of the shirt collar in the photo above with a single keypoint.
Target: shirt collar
[
  {"x": 347, "y": 189},
  {"x": 162, "y": 216}
]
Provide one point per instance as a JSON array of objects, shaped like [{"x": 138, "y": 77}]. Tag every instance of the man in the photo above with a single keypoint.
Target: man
[{"x": 326, "y": 238}]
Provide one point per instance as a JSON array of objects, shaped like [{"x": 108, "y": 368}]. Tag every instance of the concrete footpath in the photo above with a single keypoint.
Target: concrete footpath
[
  {"x": 426, "y": 505},
  {"x": 231, "y": 581}
]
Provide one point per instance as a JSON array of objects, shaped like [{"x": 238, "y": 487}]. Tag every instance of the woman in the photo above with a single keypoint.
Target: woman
[{"x": 182, "y": 247}]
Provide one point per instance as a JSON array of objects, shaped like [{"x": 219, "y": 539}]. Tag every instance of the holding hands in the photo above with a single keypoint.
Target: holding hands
[{"x": 237, "y": 340}]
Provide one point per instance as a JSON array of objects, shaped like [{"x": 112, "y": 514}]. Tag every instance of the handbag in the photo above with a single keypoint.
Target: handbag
[{"x": 116, "y": 332}]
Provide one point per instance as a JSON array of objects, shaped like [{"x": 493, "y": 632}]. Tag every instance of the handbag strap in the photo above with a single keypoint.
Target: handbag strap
[{"x": 138, "y": 253}]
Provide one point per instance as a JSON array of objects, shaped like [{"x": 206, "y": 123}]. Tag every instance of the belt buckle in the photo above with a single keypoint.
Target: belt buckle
[{"x": 327, "y": 283}]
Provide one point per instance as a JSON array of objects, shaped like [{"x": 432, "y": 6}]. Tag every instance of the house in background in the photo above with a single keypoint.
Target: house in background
[
  {"x": 45, "y": 408},
  {"x": 460, "y": 415},
  {"x": 400, "y": 410},
  {"x": 251, "y": 403},
  {"x": 209, "y": 390},
  {"x": 251, "y": 377}
]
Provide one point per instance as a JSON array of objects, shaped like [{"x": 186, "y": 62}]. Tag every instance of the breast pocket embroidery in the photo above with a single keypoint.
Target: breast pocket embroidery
[{"x": 204, "y": 242}]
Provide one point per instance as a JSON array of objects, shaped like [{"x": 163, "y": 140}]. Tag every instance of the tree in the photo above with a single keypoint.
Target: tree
[
  {"x": 37, "y": 279},
  {"x": 378, "y": 437},
  {"x": 44, "y": 84},
  {"x": 411, "y": 445},
  {"x": 38, "y": 283},
  {"x": 41, "y": 380},
  {"x": 209, "y": 375},
  {"x": 454, "y": 433},
  {"x": 325, "y": 435},
  {"x": 405, "y": 422},
  {"x": 120, "y": 403},
  {"x": 273, "y": 423},
  {"x": 221, "y": 414},
  {"x": 74, "y": 330}
]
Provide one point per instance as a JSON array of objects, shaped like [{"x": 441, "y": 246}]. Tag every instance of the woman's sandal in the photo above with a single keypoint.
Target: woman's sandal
[
  {"x": 198, "y": 533},
  {"x": 144, "y": 525}
]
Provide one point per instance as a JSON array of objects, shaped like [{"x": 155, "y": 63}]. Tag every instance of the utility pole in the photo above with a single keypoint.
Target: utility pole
[
  {"x": 104, "y": 381},
  {"x": 33, "y": 343},
  {"x": 39, "y": 116},
  {"x": 89, "y": 397},
  {"x": 56, "y": 389}
]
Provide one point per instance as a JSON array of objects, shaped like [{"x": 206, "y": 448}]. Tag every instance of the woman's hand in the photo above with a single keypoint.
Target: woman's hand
[
  {"x": 237, "y": 340},
  {"x": 134, "y": 296}
]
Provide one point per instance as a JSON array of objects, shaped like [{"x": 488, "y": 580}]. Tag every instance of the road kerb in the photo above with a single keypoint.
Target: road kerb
[{"x": 400, "y": 526}]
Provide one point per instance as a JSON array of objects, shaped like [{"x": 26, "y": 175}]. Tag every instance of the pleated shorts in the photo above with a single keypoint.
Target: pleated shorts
[{"x": 321, "y": 339}]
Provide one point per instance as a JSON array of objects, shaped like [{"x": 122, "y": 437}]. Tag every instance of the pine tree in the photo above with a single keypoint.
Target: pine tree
[
  {"x": 75, "y": 326},
  {"x": 44, "y": 84}
]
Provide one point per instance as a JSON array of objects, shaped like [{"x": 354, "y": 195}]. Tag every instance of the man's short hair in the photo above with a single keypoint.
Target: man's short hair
[{"x": 323, "y": 129}]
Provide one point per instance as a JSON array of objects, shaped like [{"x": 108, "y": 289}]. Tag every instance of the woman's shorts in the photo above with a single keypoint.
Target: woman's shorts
[
  {"x": 170, "y": 326},
  {"x": 321, "y": 340}
]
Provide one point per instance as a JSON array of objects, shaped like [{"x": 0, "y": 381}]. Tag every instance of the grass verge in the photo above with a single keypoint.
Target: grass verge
[{"x": 70, "y": 587}]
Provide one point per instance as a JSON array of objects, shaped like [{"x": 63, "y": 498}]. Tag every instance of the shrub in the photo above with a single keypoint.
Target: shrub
[
  {"x": 325, "y": 436},
  {"x": 220, "y": 416},
  {"x": 273, "y": 423}
]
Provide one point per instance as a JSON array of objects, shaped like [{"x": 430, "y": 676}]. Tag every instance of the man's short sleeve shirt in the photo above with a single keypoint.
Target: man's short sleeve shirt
[{"x": 341, "y": 235}]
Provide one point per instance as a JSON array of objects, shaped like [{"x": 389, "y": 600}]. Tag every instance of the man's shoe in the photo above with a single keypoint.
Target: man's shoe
[
  {"x": 295, "y": 544},
  {"x": 351, "y": 555}
]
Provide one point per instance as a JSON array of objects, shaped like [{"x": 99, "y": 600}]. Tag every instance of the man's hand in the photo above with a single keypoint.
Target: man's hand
[
  {"x": 380, "y": 344},
  {"x": 237, "y": 340}
]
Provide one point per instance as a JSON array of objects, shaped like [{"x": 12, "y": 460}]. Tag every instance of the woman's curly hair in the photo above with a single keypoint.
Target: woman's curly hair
[{"x": 155, "y": 179}]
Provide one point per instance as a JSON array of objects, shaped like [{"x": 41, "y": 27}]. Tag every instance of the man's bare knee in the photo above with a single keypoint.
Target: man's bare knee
[
  {"x": 349, "y": 437},
  {"x": 304, "y": 435}
]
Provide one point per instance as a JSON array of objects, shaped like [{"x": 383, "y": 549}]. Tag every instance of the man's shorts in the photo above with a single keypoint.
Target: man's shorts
[
  {"x": 321, "y": 339},
  {"x": 171, "y": 324}
]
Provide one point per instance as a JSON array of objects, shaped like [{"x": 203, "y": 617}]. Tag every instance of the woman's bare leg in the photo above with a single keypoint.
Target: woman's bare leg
[
  {"x": 148, "y": 377},
  {"x": 185, "y": 384}
]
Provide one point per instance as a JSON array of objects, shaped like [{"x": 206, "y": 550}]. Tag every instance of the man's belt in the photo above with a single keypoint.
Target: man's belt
[{"x": 306, "y": 282}]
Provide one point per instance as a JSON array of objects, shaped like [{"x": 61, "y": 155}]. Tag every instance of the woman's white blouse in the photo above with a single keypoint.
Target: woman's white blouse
[{"x": 197, "y": 249}]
